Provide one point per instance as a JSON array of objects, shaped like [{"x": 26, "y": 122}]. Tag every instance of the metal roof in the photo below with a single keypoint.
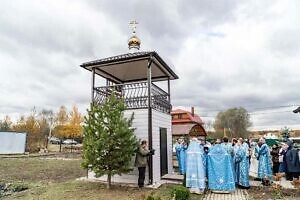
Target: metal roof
[
  {"x": 191, "y": 117},
  {"x": 131, "y": 67},
  {"x": 185, "y": 129}
]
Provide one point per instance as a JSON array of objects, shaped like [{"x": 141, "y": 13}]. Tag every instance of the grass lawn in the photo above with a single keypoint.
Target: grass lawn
[
  {"x": 55, "y": 179},
  {"x": 87, "y": 190},
  {"x": 39, "y": 170}
]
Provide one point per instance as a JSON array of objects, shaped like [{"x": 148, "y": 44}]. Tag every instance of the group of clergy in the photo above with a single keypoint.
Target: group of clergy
[{"x": 223, "y": 166}]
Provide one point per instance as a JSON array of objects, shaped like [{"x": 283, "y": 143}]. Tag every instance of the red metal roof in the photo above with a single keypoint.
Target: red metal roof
[
  {"x": 190, "y": 119},
  {"x": 185, "y": 129}
]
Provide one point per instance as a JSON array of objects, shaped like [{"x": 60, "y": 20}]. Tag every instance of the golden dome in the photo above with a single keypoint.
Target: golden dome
[{"x": 134, "y": 41}]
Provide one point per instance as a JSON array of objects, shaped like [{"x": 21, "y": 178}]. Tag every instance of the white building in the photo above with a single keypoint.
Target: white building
[
  {"x": 270, "y": 136},
  {"x": 133, "y": 75}
]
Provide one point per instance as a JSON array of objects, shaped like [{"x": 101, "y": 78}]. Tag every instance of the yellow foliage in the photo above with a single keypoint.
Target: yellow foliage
[
  {"x": 68, "y": 131},
  {"x": 75, "y": 116},
  {"x": 68, "y": 126},
  {"x": 31, "y": 126},
  {"x": 62, "y": 116}
]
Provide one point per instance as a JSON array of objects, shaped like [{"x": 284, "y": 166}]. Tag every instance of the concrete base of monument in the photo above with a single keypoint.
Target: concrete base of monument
[
  {"x": 196, "y": 191},
  {"x": 220, "y": 191},
  {"x": 147, "y": 186},
  {"x": 173, "y": 177}
]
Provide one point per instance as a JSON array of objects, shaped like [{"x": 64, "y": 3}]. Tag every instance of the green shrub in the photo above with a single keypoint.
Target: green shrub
[
  {"x": 151, "y": 197},
  {"x": 18, "y": 187},
  {"x": 180, "y": 193}
]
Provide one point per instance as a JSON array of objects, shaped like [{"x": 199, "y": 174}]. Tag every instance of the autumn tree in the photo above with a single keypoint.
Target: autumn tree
[
  {"x": 75, "y": 123},
  {"x": 109, "y": 141},
  {"x": 20, "y": 125},
  {"x": 45, "y": 120},
  {"x": 5, "y": 124},
  {"x": 61, "y": 120},
  {"x": 47, "y": 117},
  {"x": 62, "y": 116},
  {"x": 31, "y": 126},
  {"x": 68, "y": 125},
  {"x": 234, "y": 120}
]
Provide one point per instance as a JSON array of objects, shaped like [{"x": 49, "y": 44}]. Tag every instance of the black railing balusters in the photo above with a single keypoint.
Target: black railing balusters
[{"x": 135, "y": 95}]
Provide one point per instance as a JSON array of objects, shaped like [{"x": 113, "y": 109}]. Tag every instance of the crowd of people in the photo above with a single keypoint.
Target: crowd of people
[
  {"x": 285, "y": 159},
  {"x": 224, "y": 166}
]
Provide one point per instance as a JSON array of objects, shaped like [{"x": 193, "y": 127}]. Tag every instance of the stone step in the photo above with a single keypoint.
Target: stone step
[{"x": 172, "y": 177}]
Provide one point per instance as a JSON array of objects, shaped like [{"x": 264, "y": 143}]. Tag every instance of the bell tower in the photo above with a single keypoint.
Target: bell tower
[{"x": 133, "y": 77}]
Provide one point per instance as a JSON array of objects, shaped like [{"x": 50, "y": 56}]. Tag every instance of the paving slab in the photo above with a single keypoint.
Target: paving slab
[{"x": 238, "y": 194}]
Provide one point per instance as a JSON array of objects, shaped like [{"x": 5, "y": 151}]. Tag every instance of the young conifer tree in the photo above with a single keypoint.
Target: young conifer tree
[{"x": 109, "y": 141}]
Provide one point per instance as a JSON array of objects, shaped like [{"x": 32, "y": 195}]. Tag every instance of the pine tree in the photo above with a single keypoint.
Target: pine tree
[
  {"x": 109, "y": 141},
  {"x": 285, "y": 133}
]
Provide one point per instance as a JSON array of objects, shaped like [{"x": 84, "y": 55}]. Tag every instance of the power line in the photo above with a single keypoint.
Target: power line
[
  {"x": 257, "y": 109},
  {"x": 253, "y": 113},
  {"x": 266, "y": 113},
  {"x": 271, "y": 108}
]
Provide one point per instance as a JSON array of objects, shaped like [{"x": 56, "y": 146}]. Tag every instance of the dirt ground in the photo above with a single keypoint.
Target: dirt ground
[{"x": 273, "y": 193}]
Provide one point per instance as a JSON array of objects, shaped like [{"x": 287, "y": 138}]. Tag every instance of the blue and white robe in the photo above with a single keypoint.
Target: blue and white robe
[
  {"x": 228, "y": 147},
  {"x": 264, "y": 162},
  {"x": 195, "y": 166},
  {"x": 246, "y": 147},
  {"x": 242, "y": 166},
  {"x": 181, "y": 157},
  {"x": 220, "y": 172},
  {"x": 235, "y": 158}
]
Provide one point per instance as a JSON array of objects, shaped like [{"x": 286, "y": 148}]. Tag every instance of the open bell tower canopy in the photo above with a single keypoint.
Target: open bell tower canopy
[{"x": 131, "y": 67}]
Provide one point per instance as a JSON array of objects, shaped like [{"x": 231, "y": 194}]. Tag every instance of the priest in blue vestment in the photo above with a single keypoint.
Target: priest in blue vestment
[
  {"x": 220, "y": 172},
  {"x": 242, "y": 166},
  {"x": 235, "y": 158},
  {"x": 227, "y": 146},
  {"x": 264, "y": 163},
  {"x": 180, "y": 148},
  {"x": 195, "y": 167}
]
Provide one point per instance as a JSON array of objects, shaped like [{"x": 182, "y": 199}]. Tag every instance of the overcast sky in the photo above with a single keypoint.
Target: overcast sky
[{"x": 227, "y": 53}]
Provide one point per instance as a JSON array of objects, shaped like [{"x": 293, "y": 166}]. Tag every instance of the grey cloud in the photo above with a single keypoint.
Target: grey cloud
[
  {"x": 42, "y": 48},
  {"x": 209, "y": 12},
  {"x": 168, "y": 23},
  {"x": 286, "y": 42}
]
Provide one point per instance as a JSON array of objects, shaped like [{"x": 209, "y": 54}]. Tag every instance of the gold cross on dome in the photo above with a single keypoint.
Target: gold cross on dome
[{"x": 133, "y": 25}]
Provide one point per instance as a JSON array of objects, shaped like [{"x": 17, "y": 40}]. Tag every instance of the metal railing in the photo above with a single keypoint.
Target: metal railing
[{"x": 135, "y": 95}]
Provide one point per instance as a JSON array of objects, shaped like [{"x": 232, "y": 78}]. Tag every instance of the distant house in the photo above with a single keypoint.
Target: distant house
[
  {"x": 270, "y": 136},
  {"x": 186, "y": 123}
]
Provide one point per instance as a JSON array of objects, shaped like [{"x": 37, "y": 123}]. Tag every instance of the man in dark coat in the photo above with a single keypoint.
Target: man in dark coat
[
  {"x": 275, "y": 158},
  {"x": 292, "y": 162},
  {"x": 141, "y": 162}
]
